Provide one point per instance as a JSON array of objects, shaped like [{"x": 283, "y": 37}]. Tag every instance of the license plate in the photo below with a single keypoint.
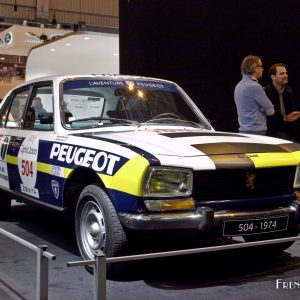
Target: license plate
[{"x": 254, "y": 226}]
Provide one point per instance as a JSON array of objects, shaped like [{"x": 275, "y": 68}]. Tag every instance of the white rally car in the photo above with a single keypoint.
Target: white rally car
[{"x": 133, "y": 154}]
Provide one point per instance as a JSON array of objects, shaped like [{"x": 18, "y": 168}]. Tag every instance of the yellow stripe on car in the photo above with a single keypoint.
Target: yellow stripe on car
[
  {"x": 276, "y": 159},
  {"x": 67, "y": 172},
  {"x": 128, "y": 178},
  {"x": 42, "y": 167},
  {"x": 12, "y": 159},
  {"x": 47, "y": 168}
]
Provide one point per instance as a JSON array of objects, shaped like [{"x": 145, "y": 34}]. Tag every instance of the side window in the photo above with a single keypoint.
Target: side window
[
  {"x": 4, "y": 113},
  {"x": 42, "y": 106},
  {"x": 15, "y": 112}
]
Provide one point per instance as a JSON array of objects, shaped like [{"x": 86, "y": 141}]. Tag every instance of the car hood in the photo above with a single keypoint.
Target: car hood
[
  {"x": 180, "y": 147},
  {"x": 182, "y": 142}
]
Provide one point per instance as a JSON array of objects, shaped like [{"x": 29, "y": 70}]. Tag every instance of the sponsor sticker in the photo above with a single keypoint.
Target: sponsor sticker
[
  {"x": 27, "y": 164},
  {"x": 148, "y": 85},
  {"x": 30, "y": 191},
  {"x": 100, "y": 161},
  {"x": 4, "y": 142},
  {"x": 62, "y": 139},
  {"x": 57, "y": 171}
]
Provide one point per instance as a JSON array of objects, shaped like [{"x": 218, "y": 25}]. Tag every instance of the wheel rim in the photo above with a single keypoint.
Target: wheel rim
[{"x": 92, "y": 229}]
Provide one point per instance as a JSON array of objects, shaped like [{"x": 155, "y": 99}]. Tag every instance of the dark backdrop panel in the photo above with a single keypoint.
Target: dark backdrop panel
[{"x": 200, "y": 45}]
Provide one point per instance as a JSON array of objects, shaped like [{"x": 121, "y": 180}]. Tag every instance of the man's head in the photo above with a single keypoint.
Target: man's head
[
  {"x": 37, "y": 102},
  {"x": 279, "y": 74},
  {"x": 252, "y": 65}
]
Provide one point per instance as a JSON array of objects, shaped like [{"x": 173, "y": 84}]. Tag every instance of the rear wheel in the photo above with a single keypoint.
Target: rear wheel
[
  {"x": 97, "y": 225},
  {"x": 5, "y": 206}
]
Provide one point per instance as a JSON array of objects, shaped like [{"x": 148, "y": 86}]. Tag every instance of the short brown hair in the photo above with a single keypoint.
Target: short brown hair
[
  {"x": 249, "y": 63},
  {"x": 273, "y": 70}
]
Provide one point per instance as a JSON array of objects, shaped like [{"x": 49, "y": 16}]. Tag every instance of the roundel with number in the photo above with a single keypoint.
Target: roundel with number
[{"x": 27, "y": 160}]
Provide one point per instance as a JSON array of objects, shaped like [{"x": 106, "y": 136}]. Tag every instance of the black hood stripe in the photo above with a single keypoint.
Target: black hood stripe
[
  {"x": 237, "y": 148},
  {"x": 154, "y": 161},
  {"x": 291, "y": 147},
  {"x": 191, "y": 134},
  {"x": 232, "y": 161}
]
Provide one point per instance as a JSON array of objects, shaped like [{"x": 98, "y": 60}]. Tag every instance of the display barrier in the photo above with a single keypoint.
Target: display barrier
[
  {"x": 43, "y": 257},
  {"x": 100, "y": 261}
]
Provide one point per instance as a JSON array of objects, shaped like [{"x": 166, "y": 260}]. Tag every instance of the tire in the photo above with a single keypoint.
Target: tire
[
  {"x": 97, "y": 226},
  {"x": 5, "y": 206}
]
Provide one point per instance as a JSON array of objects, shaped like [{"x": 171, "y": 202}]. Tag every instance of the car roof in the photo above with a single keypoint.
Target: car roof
[{"x": 95, "y": 76}]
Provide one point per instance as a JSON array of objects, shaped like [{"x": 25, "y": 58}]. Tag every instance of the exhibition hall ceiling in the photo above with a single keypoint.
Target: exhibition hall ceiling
[
  {"x": 98, "y": 13},
  {"x": 18, "y": 39},
  {"x": 25, "y": 24},
  {"x": 37, "y": 21}
]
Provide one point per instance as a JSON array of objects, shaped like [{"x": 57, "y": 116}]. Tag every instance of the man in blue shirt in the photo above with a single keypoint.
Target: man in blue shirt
[{"x": 253, "y": 105}]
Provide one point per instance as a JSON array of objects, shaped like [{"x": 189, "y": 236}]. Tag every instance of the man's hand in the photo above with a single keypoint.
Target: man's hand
[{"x": 291, "y": 117}]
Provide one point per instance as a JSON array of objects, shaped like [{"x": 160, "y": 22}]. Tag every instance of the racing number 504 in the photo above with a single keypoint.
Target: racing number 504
[{"x": 27, "y": 168}]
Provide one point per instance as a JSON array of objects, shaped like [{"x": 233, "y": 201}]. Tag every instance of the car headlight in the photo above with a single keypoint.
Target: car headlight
[{"x": 168, "y": 182}]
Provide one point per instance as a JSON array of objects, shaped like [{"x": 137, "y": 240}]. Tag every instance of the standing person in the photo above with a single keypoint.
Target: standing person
[
  {"x": 253, "y": 105},
  {"x": 285, "y": 122}
]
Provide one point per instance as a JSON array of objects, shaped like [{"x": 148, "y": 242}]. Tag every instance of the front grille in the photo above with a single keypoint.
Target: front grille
[{"x": 232, "y": 184}]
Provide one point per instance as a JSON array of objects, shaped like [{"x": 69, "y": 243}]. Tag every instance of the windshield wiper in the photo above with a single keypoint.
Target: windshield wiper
[
  {"x": 112, "y": 120},
  {"x": 175, "y": 121}
]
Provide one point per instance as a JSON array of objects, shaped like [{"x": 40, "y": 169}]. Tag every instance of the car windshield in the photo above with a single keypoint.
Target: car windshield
[{"x": 99, "y": 102}]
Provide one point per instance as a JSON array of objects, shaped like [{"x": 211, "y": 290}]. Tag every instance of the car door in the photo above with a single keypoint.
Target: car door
[
  {"x": 42, "y": 129},
  {"x": 23, "y": 134},
  {"x": 12, "y": 121}
]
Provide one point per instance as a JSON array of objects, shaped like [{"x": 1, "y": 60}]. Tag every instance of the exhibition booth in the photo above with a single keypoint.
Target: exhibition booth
[
  {"x": 15, "y": 44},
  {"x": 94, "y": 52}
]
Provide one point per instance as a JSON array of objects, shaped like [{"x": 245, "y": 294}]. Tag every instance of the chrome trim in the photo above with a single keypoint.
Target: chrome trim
[
  {"x": 203, "y": 219},
  {"x": 224, "y": 214},
  {"x": 172, "y": 220},
  {"x": 31, "y": 200}
]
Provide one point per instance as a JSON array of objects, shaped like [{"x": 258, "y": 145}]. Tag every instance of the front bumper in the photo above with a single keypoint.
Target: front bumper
[{"x": 204, "y": 219}]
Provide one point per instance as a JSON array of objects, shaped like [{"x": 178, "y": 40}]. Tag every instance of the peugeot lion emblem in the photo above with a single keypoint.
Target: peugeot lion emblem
[
  {"x": 250, "y": 180},
  {"x": 55, "y": 188}
]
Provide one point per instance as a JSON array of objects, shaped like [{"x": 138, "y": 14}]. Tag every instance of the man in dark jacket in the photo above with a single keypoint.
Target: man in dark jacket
[{"x": 285, "y": 123}]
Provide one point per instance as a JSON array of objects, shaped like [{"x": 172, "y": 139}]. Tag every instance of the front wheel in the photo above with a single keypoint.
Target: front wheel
[{"x": 97, "y": 225}]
